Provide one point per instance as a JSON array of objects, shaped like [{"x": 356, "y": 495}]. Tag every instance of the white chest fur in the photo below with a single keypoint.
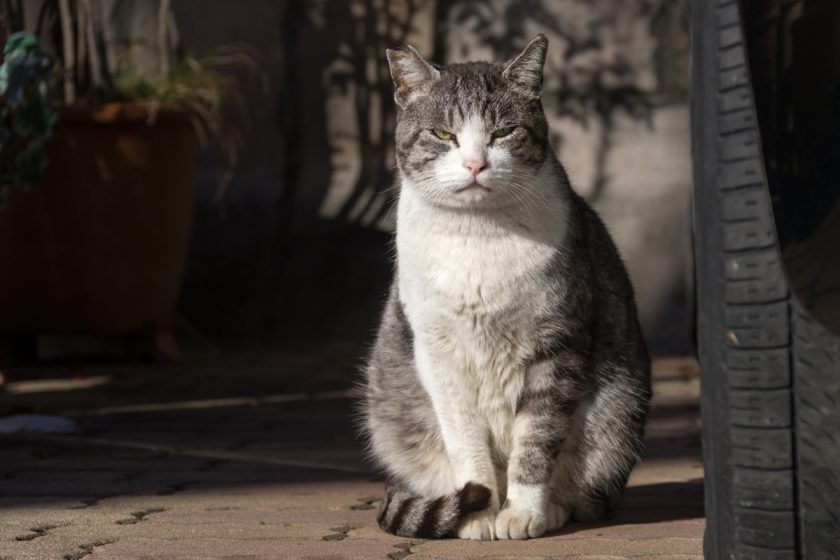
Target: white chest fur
[{"x": 473, "y": 291}]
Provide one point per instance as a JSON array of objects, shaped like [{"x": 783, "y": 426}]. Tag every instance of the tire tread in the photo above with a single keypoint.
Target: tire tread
[
  {"x": 817, "y": 403},
  {"x": 758, "y": 496}
]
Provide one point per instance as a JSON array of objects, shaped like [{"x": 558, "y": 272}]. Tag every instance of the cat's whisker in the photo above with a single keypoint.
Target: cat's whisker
[{"x": 530, "y": 195}]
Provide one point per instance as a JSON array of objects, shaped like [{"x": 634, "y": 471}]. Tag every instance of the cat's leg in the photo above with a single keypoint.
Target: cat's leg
[
  {"x": 421, "y": 497},
  {"x": 465, "y": 434},
  {"x": 604, "y": 445},
  {"x": 539, "y": 428},
  {"x": 405, "y": 431}
]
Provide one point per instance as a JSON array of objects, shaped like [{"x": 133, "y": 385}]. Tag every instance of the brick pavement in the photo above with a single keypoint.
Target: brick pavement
[{"x": 262, "y": 462}]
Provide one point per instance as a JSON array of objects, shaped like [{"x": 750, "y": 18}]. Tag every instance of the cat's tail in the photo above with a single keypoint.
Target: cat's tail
[{"x": 406, "y": 514}]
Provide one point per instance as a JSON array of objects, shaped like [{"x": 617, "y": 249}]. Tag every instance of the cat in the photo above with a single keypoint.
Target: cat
[{"x": 509, "y": 383}]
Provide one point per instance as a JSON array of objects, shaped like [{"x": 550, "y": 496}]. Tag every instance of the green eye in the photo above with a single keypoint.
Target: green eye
[
  {"x": 442, "y": 134},
  {"x": 502, "y": 132}
]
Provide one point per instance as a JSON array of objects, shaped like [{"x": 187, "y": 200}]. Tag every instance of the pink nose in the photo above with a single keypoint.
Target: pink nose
[{"x": 475, "y": 166}]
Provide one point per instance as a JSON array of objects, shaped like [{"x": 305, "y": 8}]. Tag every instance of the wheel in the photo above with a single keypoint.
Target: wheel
[{"x": 770, "y": 373}]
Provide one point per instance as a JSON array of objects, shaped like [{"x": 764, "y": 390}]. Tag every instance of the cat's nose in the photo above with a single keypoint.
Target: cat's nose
[{"x": 475, "y": 166}]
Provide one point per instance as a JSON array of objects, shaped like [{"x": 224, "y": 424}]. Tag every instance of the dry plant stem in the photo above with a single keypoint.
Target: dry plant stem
[
  {"x": 81, "y": 42},
  {"x": 5, "y": 20},
  {"x": 92, "y": 27},
  {"x": 103, "y": 22},
  {"x": 69, "y": 53},
  {"x": 163, "y": 38}
]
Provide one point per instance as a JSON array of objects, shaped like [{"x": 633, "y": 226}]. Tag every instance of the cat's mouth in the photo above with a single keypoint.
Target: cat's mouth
[{"x": 473, "y": 187}]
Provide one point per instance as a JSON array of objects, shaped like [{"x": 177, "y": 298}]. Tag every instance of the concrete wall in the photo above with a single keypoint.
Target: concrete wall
[
  {"x": 616, "y": 96},
  {"x": 298, "y": 247}
]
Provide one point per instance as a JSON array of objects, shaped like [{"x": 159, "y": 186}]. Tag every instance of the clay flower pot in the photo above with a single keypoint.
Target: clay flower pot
[{"x": 99, "y": 246}]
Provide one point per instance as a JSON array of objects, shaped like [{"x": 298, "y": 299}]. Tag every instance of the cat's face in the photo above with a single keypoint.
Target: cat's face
[{"x": 471, "y": 135}]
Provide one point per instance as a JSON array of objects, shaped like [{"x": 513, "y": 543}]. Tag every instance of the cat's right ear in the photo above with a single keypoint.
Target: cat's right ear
[
  {"x": 525, "y": 72},
  {"x": 411, "y": 73}
]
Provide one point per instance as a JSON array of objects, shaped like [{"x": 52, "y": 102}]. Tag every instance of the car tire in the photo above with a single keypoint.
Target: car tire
[{"x": 770, "y": 373}]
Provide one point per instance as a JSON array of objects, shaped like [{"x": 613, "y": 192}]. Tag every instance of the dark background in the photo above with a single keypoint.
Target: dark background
[{"x": 297, "y": 249}]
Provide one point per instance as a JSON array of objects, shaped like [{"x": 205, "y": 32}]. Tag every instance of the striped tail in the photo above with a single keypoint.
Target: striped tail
[{"x": 405, "y": 514}]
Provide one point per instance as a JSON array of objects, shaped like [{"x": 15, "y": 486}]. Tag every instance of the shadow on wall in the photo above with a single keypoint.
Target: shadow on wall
[
  {"x": 300, "y": 249},
  {"x": 616, "y": 98}
]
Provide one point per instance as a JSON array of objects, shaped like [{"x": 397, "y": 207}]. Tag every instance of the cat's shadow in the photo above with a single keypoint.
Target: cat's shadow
[{"x": 649, "y": 504}]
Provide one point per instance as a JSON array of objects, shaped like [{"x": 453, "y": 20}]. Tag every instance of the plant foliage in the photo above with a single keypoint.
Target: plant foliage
[{"x": 26, "y": 120}]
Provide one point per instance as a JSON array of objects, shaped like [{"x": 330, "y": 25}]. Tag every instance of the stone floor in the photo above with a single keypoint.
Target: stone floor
[{"x": 262, "y": 462}]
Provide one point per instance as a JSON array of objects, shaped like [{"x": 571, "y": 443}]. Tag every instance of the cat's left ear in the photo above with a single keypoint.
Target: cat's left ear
[
  {"x": 526, "y": 70},
  {"x": 411, "y": 74}
]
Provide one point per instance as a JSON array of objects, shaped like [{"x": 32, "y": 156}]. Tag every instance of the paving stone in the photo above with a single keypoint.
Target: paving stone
[
  {"x": 21, "y": 505},
  {"x": 268, "y": 549},
  {"x": 92, "y": 487},
  {"x": 60, "y": 517},
  {"x": 252, "y": 516},
  {"x": 628, "y": 528},
  {"x": 558, "y": 546},
  {"x": 11, "y": 531},
  {"x": 372, "y": 531},
  {"x": 284, "y": 480}
]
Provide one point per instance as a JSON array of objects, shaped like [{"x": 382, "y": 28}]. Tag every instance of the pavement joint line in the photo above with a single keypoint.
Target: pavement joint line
[
  {"x": 36, "y": 532},
  {"x": 92, "y": 502},
  {"x": 405, "y": 551},
  {"x": 138, "y": 516},
  {"x": 187, "y": 452},
  {"x": 365, "y": 503},
  {"x": 86, "y": 550},
  {"x": 340, "y": 533},
  {"x": 214, "y": 403}
]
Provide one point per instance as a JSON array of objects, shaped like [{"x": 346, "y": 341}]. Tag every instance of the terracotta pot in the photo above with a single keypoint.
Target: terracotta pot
[{"x": 99, "y": 246}]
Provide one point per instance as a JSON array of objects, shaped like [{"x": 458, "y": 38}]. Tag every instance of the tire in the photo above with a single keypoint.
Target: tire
[{"x": 770, "y": 373}]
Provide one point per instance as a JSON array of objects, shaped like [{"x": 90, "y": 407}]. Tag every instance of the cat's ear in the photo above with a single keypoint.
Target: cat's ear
[
  {"x": 526, "y": 70},
  {"x": 411, "y": 74}
]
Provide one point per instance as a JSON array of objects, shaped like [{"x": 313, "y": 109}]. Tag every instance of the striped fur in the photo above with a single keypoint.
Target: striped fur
[
  {"x": 406, "y": 514},
  {"x": 508, "y": 387}
]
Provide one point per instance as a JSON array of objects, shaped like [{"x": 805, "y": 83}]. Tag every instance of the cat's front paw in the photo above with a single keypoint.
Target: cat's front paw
[
  {"x": 556, "y": 516},
  {"x": 479, "y": 526},
  {"x": 517, "y": 523}
]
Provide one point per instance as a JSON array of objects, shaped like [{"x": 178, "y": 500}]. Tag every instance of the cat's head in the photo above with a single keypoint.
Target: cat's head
[{"x": 472, "y": 134}]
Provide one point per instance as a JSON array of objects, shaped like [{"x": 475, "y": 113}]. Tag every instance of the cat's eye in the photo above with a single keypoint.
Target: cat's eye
[
  {"x": 442, "y": 134},
  {"x": 502, "y": 132}
]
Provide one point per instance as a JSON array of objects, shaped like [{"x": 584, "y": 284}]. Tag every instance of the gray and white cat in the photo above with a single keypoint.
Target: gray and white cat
[{"x": 509, "y": 383}]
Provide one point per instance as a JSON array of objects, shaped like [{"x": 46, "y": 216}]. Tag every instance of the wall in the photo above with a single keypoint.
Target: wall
[
  {"x": 298, "y": 247},
  {"x": 616, "y": 83}
]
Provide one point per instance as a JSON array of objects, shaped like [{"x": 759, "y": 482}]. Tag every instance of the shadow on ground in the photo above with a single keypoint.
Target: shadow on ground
[{"x": 268, "y": 457}]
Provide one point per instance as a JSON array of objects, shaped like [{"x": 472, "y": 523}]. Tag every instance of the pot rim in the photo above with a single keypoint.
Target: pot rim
[{"x": 132, "y": 112}]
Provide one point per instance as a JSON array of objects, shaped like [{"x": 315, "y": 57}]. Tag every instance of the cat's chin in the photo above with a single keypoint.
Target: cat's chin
[
  {"x": 474, "y": 187},
  {"x": 473, "y": 191},
  {"x": 472, "y": 194},
  {"x": 469, "y": 196}
]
